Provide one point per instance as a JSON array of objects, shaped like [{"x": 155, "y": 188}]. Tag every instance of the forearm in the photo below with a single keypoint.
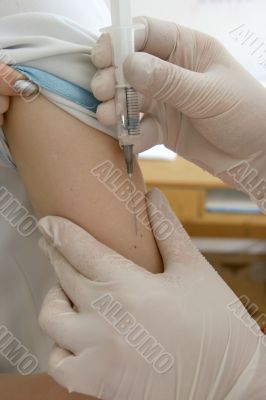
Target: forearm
[
  {"x": 34, "y": 387},
  {"x": 55, "y": 154}
]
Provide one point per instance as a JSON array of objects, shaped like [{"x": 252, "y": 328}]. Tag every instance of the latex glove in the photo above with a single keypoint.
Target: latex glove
[
  {"x": 197, "y": 100},
  {"x": 209, "y": 352},
  {"x": 12, "y": 83}
]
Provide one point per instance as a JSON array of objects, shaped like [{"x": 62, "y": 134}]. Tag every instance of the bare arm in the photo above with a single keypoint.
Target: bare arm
[
  {"x": 34, "y": 387},
  {"x": 55, "y": 154}
]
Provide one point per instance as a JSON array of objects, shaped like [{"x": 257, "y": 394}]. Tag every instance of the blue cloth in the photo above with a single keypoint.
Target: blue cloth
[
  {"x": 56, "y": 85},
  {"x": 59, "y": 86}
]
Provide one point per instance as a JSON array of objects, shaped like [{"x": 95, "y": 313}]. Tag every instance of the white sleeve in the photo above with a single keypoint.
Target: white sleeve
[{"x": 55, "y": 45}]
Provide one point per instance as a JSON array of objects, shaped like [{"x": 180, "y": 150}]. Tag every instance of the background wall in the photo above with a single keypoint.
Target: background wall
[{"x": 218, "y": 18}]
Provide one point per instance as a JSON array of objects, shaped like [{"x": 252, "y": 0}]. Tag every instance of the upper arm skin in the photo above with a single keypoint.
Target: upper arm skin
[
  {"x": 34, "y": 387},
  {"x": 55, "y": 153}
]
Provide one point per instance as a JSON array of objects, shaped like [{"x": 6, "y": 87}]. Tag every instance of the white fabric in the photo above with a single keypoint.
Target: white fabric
[
  {"x": 61, "y": 47},
  {"x": 210, "y": 353}
]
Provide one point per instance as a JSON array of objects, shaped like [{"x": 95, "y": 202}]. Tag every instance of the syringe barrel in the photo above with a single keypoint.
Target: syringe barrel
[
  {"x": 123, "y": 39},
  {"x": 121, "y": 12},
  {"x": 122, "y": 33}
]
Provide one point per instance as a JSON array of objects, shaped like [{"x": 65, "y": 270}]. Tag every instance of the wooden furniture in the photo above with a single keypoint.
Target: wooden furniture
[{"x": 186, "y": 186}]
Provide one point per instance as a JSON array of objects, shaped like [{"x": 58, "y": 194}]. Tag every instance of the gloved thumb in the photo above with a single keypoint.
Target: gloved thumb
[
  {"x": 57, "y": 357},
  {"x": 176, "y": 248},
  {"x": 84, "y": 253},
  {"x": 163, "y": 81}
]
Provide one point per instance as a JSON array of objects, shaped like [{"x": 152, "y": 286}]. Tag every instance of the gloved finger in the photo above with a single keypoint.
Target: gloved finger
[
  {"x": 89, "y": 257},
  {"x": 151, "y": 134},
  {"x": 80, "y": 290},
  {"x": 102, "y": 53},
  {"x": 62, "y": 368},
  {"x": 13, "y": 83},
  {"x": 61, "y": 365},
  {"x": 174, "y": 244},
  {"x": 64, "y": 326},
  {"x": 57, "y": 316},
  {"x": 4, "y": 104},
  {"x": 57, "y": 357},
  {"x": 163, "y": 39},
  {"x": 103, "y": 84},
  {"x": 106, "y": 113},
  {"x": 159, "y": 38},
  {"x": 165, "y": 82}
]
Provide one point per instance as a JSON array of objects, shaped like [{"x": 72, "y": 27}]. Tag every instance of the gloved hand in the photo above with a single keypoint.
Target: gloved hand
[
  {"x": 12, "y": 83},
  {"x": 197, "y": 100},
  {"x": 135, "y": 335}
]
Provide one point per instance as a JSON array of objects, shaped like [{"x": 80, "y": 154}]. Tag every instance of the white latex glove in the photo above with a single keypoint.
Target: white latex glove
[
  {"x": 12, "y": 83},
  {"x": 211, "y": 354},
  {"x": 197, "y": 100}
]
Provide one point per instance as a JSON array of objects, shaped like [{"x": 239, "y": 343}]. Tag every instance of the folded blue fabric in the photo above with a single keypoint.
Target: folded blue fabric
[
  {"x": 55, "y": 85},
  {"x": 60, "y": 86}
]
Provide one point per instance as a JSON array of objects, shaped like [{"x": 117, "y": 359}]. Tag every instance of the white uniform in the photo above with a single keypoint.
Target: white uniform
[{"x": 61, "y": 47}]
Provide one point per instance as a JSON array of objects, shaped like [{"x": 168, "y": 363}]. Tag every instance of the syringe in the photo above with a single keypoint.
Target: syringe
[{"x": 127, "y": 103}]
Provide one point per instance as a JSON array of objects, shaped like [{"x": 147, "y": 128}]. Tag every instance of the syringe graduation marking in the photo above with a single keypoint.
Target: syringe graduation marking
[
  {"x": 133, "y": 127},
  {"x": 133, "y": 118}
]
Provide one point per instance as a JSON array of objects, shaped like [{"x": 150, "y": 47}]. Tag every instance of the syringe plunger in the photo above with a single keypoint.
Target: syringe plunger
[{"x": 121, "y": 12}]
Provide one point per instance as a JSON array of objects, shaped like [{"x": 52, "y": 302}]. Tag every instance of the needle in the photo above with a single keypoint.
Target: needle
[{"x": 133, "y": 203}]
